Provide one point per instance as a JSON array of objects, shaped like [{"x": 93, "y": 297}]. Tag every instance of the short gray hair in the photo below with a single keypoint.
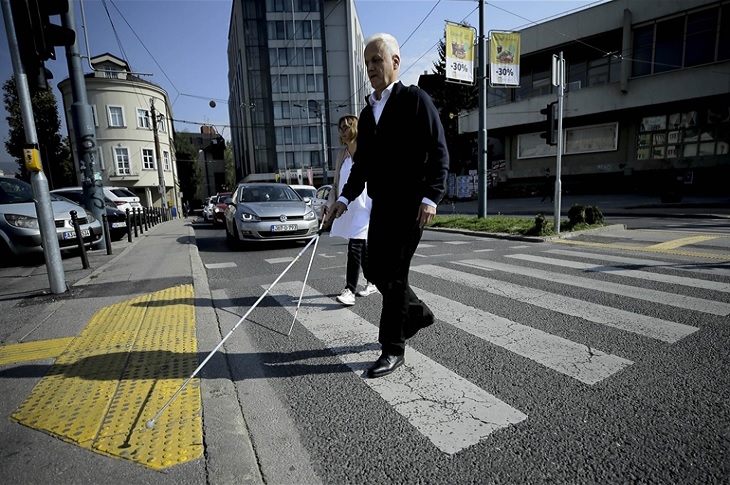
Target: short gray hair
[{"x": 390, "y": 42}]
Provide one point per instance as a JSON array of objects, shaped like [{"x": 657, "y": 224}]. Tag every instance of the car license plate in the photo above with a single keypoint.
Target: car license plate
[
  {"x": 72, "y": 234},
  {"x": 118, "y": 224},
  {"x": 283, "y": 227}
]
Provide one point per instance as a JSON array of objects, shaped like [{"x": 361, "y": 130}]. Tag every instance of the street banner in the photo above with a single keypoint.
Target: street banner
[
  {"x": 459, "y": 53},
  {"x": 288, "y": 176},
  {"x": 299, "y": 176},
  {"x": 504, "y": 59},
  {"x": 309, "y": 175}
]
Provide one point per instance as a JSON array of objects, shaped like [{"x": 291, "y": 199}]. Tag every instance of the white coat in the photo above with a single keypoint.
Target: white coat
[{"x": 353, "y": 224}]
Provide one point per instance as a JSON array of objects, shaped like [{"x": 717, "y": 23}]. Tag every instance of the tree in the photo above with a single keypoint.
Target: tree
[
  {"x": 54, "y": 149},
  {"x": 189, "y": 170},
  {"x": 230, "y": 167},
  {"x": 452, "y": 99}
]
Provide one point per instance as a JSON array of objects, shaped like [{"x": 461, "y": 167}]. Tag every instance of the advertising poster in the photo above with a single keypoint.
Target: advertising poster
[
  {"x": 459, "y": 53},
  {"x": 504, "y": 59}
]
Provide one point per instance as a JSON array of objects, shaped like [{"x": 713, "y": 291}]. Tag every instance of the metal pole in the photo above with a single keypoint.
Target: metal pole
[
  {"x": 160, "y": 173},
  {"x": 558, "y": 184},
  {"x": 43, "y": 206},
  {"x": 325, "y": 176},
  {"x": 482, "y": 147},
  {"x": 85, "y": 134}
]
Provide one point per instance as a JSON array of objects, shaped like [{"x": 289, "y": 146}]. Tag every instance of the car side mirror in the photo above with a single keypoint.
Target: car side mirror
[{"x": 307, "y": 200}]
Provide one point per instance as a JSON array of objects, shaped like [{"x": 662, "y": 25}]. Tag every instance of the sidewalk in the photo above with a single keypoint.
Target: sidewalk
[{"x": 158, "y": 283}]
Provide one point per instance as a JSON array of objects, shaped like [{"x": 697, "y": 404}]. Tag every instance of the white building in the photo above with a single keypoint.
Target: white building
[
  {"x": 295, "y": 67},
  {"x": 647, "y": 104},
  {"x": 127, "y": 155}
]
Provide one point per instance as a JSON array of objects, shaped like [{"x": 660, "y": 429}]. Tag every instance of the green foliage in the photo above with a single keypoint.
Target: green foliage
[
  {"x": 54, "y": 149},
  {"x": 230, "y": 168},
  {"x": 590, "y": 215},
  {"x": 189, "y": 170}
]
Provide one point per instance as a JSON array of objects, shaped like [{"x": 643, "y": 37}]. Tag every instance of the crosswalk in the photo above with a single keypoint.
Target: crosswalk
[{"x": 454, "y": 413}]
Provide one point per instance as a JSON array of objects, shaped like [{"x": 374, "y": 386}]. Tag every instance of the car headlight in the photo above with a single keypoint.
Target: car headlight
[
  {"x": 310, "y": 215},
  {"x": 90, "y": 217},
  {"x": 22, "y": 221},
  {"x": 217, "y": 209},
  {"x": 248, "y": 217}
]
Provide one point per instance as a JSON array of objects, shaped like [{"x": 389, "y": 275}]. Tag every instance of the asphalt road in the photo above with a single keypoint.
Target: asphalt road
[{"x": 600, "y": 358}]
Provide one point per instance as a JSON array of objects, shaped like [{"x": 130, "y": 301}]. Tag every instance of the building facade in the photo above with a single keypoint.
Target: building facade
[
  {"x": 127, "y": 154},
  {"x": 295, "y": 67},
  {"x": 646, "y": 105}
]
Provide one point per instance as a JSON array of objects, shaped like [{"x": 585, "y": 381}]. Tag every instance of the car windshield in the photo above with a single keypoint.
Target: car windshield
[
  {"x": 268, "y": 193},
  {"x": 305, "y": 192},
  {"x": 13, "y": 191}
]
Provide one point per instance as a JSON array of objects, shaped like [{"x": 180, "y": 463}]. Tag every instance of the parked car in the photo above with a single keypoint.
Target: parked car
[
  {"x": 19, "y": 230},
  {"x": 117, "y": 218},
  {"x": 208, "y": 208},
  {"x": 320, "y": 199},
  {"x": 121, "y": 197},
  {"x": 219, "y": 209},
  {"x": 268, "y": 212}
]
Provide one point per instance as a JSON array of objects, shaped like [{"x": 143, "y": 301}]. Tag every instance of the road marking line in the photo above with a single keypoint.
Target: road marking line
[
  {"x": 629, "y": 273},
  {"x": 220, "y": 265},
  {"x": 648, "y": 249},
  {"x": 450, "y": 411},
  {"x": 671, "y": 299},
  {"x": 482, "y": 250},
  {"x": 647, "y": 326},
  {"x": 456, "y": 243},
  {"x": 287, "y": 259}
]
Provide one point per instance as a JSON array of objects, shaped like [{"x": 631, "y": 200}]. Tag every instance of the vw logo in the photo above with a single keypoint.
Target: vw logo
[{"x": 282, "y": 218}]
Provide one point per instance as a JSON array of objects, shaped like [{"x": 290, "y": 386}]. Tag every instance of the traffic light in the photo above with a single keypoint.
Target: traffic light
[
  {"x": 37, "y": 37},
  {"x": 551, "y": 123}
]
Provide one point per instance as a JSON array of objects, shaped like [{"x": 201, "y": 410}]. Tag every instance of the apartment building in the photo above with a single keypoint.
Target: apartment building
[
  {"x": 127, "y": 156},
  {"x": 646, "y": 106},
  {"x": 294, "y": 68}
]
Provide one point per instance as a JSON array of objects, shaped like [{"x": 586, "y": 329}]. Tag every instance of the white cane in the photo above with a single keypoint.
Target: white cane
[{"x": 306, "y": 275}]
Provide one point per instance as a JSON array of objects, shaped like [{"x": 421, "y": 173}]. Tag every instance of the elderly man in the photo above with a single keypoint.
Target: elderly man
[{"x": 402, "y": 157}]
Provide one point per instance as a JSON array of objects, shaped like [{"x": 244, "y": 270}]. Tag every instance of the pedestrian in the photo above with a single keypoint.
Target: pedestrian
[
  {"x": 353, "y": 225},
  {"x": 548, "y": 189},
  {"x": 186, "y": 209},
  {"x": 402, "y": 156}
]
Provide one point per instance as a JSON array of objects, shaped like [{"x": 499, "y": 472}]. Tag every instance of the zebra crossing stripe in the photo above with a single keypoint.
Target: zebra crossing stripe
[
  {"x": 694, "y": 267},
  {"x": 629, "y": 273},
  {"x": 670, "y": 299},
  {"x": 286, "y": 259},
  {"x": 575, "y": 360},
  {"x": 449, "y": 410},
  {"x": 647, "y": 326}
]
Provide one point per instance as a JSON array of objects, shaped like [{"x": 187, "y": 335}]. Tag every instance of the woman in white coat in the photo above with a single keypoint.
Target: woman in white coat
[{"x": 353, "y": 224}]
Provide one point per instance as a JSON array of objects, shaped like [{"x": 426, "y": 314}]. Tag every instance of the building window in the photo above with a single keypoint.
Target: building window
[
  {"x": 688, "y": 40},
  {"x": 590, "y": 139},
  {"x": 161, "y": 124},
  {"x": 121, "y": 161},
  {"x": 148, "y": 159},
  {"x": 166, "y": 160},
  {"x": 143, "y": 119},
  {"x": 93, "y": 113},
  {"x": 116, "y": 116}
]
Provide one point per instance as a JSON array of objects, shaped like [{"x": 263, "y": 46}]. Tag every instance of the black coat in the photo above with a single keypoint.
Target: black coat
[{"x": 404, "y": 158}]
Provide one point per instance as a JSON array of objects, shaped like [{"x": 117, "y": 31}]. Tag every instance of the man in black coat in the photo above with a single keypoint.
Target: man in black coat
[{"x": 402, "y": 156}]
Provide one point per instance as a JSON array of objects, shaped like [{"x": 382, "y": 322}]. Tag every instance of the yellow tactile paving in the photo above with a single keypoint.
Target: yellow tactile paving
[
  {"x": 648, "y": 249},
  {"x": 676, "y": 243},
  {"x": 28, "y": 351},
  {"x": 117, "y": 374}
]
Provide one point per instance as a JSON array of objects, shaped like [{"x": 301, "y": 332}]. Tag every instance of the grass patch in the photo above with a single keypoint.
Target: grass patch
[{"x": 522, "y": 226}]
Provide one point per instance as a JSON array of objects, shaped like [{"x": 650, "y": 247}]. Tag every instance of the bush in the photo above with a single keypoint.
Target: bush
[
  {"x": 593, "y": 215},
  {"x": 577, "y": 214}
]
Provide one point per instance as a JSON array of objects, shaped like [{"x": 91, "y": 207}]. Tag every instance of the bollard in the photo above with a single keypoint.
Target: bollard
[
  {"x": 129, "y": 228},
  {"x": 134, "y": 220},
  {"x": 145, "y": 214},
  {"x": 107, "y": 236},
  {"x": 140, "y": 221},
  {"x": 79, "y": 239}
]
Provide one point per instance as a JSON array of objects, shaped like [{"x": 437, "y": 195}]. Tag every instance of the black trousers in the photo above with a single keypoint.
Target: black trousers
[
  {"x": 393, "y": 237},
  {"x": 357, "y": 258}
]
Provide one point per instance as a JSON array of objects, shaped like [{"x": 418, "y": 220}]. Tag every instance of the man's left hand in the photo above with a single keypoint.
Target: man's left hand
[{"x": 426, "y": 213}]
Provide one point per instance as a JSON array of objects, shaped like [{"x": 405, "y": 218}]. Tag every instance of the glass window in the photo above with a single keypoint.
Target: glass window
[
  {"x": 285, "y": 110},
  {"x": 273, "y": 57},
  {"x": 116, "y": 116},
  {"x": 318, "y": 56},
  {"x": 148, "y": 159},
  {"x": 166, "y": 160},
  {"x": 308, "y": 56},
  {"x": 284, "y": 83},
  {"x": 287, "y": 135},
  {"x": 669, "y": 43},
  {"x": 316, "y": 34},
  {"x": 701, "y": 34},
  {"x": 121, "y": 161},
  {"x": 313, "y": 135},
  {"x": 598, "y": 72},
  {"x": 642, "y": 55},
  {"x": 723, "y": 53},
  {"x": 311, "y": 87}
]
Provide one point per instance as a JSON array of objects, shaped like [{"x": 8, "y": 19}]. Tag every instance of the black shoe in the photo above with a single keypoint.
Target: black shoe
[
  {"x": 416, "y": 323},
  {"x": 385, "y": 364}
]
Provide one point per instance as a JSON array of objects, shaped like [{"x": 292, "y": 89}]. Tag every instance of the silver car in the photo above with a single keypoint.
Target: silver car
[
  {"x": 268, "y": 212},
  {"x": 19, "y": 230}
]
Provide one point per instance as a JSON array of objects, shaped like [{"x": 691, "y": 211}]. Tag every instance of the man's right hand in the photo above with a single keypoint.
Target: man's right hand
[{"x": 338, "y": 208}]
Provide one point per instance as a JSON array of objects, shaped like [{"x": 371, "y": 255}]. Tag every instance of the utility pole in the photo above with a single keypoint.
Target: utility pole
[
  {"x": 83, "y": 123},
  {"x": 559, "y": 76},
  {"x": 482, "y": 142},
  {"x": 325, "y": 176},
  {"x": 160, "y": 172},
  {"x": 43, "y": 206}
]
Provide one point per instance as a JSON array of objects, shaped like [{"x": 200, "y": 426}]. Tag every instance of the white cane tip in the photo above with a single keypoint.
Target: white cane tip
[{"x": 150, "y": 424}]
